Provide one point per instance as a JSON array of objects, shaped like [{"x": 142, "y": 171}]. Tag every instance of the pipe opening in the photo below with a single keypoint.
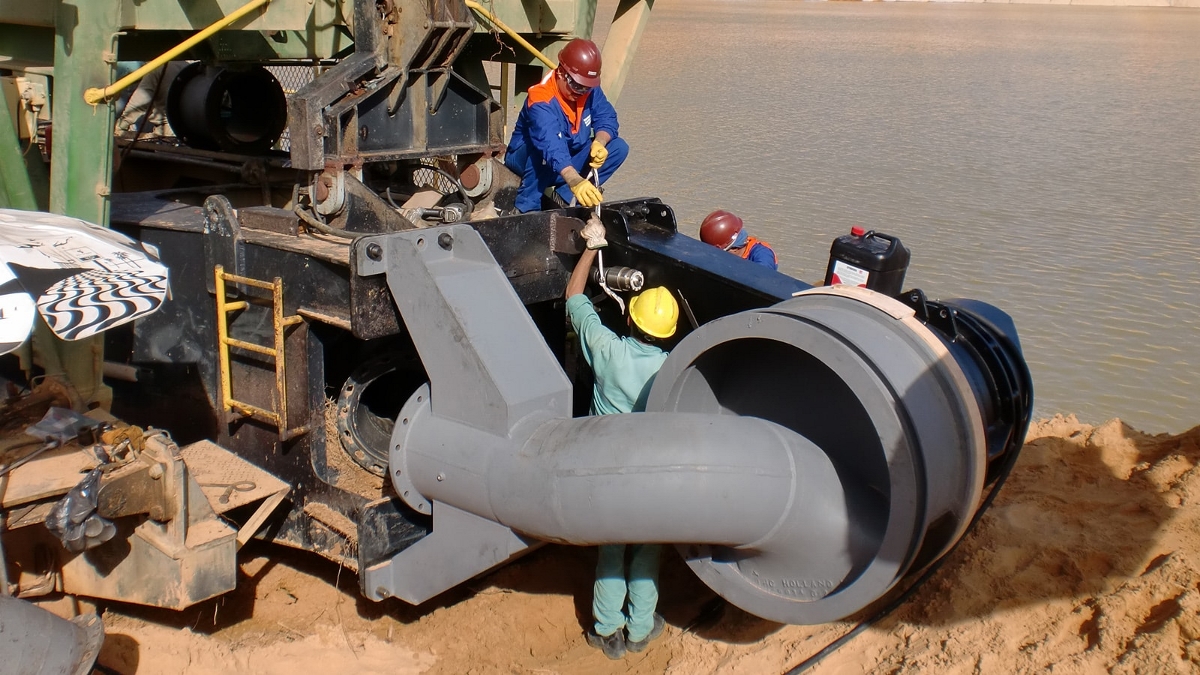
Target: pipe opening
[
  {"x": 369, "y": 403},
  {"x": 798, "y": 391},
  {"x": 233, "y": 110}
]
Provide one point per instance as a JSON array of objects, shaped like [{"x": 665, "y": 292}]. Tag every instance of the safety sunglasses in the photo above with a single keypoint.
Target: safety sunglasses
[{"x": 575, "y": 86}]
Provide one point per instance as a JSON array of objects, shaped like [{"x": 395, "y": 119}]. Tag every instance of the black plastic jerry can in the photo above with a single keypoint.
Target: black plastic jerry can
[{"x": 869, "y": 259}]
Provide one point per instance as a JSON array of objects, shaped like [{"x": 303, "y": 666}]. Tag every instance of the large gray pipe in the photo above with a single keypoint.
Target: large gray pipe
[
  {"x": 801, "y": 492},
  {"x": 650, "y": 477},
  {"x": 36, "y": 642}
]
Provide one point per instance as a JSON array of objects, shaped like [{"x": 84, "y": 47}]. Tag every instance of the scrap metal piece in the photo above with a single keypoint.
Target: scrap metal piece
[{"x": 188, "y": 556}]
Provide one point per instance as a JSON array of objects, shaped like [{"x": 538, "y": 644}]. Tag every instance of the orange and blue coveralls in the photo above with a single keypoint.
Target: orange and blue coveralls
[
  {"x": 551, "y": 134},
  {"x": 755, "y": 250}
]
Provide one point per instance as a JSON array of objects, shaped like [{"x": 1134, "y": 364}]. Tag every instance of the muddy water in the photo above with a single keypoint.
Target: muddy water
[{"x": 1042, "y": 158}]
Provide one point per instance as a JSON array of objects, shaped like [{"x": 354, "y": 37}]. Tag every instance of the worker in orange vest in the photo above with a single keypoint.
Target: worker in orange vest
[
  {"x": 566, "y": 128},
  {"x": 726, "y": 231}
]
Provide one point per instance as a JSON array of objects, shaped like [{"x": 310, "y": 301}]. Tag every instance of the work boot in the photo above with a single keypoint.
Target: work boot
[
  {"x": 655, "y": 631},
  {"x": 613, "y": 645}
]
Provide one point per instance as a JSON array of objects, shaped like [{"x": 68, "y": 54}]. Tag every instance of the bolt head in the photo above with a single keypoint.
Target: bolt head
[
  {"x": 446, "y": 241},
  {"x": 375, "y": 252}
]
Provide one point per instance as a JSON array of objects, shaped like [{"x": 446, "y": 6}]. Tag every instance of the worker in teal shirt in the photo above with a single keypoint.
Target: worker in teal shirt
[{"x": 624, "y": 369}]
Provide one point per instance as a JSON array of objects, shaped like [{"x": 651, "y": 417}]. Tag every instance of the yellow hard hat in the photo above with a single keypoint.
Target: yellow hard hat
[{"x": 655, "y": 312}]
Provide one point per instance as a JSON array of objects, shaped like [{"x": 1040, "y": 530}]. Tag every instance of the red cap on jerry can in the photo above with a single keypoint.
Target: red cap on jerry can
[{"x": 857, "y": 231}]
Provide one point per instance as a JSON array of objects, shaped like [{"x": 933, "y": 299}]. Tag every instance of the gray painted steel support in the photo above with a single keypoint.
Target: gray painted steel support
[{"x": 491, "y": 374}]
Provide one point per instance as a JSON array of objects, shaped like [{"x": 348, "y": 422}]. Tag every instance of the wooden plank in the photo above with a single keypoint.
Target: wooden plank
[{"x": 49, "y": 475}]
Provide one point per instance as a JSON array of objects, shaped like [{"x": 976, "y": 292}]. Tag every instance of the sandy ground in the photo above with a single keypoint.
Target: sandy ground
[{"x": 1089, "y": 561}]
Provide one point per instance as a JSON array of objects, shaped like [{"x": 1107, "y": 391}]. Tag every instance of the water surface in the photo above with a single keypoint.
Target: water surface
[{"x": 1045, "y": 159}]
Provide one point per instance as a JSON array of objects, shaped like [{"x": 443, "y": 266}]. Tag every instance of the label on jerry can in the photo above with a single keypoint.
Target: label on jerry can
[{"x": 845, "y": 273}]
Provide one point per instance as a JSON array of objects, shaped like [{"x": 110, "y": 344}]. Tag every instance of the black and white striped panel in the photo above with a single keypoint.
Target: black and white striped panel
[{"x": 94, "y": 301}]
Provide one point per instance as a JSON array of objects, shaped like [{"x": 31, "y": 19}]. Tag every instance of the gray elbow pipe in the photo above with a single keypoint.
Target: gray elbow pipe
[
  {"x": 669, "y": 478},
  {"x": 642, "y": 478}
]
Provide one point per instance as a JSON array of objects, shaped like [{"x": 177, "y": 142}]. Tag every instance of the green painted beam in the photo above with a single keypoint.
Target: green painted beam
[
  {"x": 23, "y": 180},
  {"x": 82, "y": 141},
  {"x": 81, "y": 158},
  {"x": 628, "y": 24}
]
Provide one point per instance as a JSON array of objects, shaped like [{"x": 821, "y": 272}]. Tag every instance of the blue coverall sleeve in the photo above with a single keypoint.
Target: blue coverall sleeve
[
  {"x": 594, "y": 336},
  {"x": 604, "y": 116},
  {"x": 763, "y": 256},
  {"x": 545, "y": 133}
]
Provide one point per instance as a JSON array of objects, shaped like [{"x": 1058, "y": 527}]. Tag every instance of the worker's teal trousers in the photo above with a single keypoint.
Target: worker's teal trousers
[{"x": 614, "y": 587}]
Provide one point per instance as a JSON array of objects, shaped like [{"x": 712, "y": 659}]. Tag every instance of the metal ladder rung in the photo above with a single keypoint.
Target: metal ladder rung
[
  {"x": 247, "y": 281},
  {"x": 276, "y": 353},
  {"x": 251, "y": 410},
  {"x": 234, "y": 342}
]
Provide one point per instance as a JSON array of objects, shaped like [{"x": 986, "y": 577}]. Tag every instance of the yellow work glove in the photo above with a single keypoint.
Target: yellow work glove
[
  {"x": 599, "y": 154},
  {"x": 587, "y": 194}
]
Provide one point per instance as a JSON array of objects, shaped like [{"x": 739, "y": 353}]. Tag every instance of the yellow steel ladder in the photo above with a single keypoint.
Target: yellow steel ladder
[{"x": 279, "y": 416}]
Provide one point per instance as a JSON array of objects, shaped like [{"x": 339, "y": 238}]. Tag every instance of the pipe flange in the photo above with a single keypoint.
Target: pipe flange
[
  {"x": 416, "y": 409},
  {"x": 365, "y": 441},
  {"x": 885, "y": 401}
]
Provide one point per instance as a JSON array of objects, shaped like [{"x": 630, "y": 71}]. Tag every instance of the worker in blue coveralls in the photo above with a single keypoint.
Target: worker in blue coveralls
[
  {"x": 726, "y": 231},
  {"x": 624, "y": 599},
  {"x": 566, "y": 128}
]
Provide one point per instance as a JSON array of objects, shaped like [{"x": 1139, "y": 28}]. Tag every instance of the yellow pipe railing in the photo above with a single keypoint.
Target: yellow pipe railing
[
  {"x": 95, "y": 96},
  {"x": 510, "y": 32}
]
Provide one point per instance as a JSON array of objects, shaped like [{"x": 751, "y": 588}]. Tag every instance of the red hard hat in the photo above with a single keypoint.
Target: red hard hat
[
  {"x": 581, "y": 60},
  {"x": 720, "y": 228}
]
